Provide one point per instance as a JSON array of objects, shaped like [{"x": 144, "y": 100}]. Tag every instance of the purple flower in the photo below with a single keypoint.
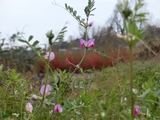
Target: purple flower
[
  {"x": 47, "y": 91},
  {"x": 137, "y": 110},
  {"x": 90, "y": 24},
  {"x": 49, "y": 55},
  {"x": 88, "y": 44},
  {"x": 58, "y": 108},
  {"x": 142, "y": 118},
  {"x": 29, "y": 107}
]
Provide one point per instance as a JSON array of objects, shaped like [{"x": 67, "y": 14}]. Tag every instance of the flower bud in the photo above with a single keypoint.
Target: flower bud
[{"x": 50, "y": 36}]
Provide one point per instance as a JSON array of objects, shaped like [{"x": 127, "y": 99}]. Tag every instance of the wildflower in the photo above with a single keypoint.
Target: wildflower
[
  {"x": 90, "y": 24},
  {"x": 137, "y": 110},
  {"x": 47, "y": 91},
  {"x": 88, "y": 44},
  {"x": 49, "y": 55},
  {"x": 29, "y": 107},
  {"x": 58, "y": 108}
]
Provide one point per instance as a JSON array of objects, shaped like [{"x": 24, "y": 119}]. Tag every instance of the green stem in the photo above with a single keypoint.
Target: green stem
[
  {"x": 46, "y": 82},
  {"x": 131, "y": 80},
  {"x": 86, "y": 28}
]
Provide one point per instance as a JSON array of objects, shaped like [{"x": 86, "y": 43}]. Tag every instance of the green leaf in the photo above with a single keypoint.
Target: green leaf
[
  {"x": 70, "y": 9},
  {"x": 35, "y": 43},
  {"x": 78, "y": 17},
  {"x": 38, "y": 48},
  {"x": 66, "y": 6},
  {"x": 74, "y": 13},
  {"x": 43, "y": 53},
  {"x": 21, "y": 40},
  {"x": 157, "y": 93},
  {"x": 144, "y": 94},
  {"x": 30, "y": 38},
  {"x": 7, "y": 114},
  {"x": 93, "y": 9},
  {"x": 91, "y": 14}
]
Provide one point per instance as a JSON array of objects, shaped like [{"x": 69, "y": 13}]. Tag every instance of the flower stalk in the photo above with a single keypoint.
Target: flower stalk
[{"x": 131, "y": 79}]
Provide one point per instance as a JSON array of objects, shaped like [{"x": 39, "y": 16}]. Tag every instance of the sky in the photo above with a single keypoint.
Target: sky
[{"x": 37, "y": 17}]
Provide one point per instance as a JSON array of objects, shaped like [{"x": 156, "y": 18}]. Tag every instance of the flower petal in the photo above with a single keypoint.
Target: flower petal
[
  {"x": 83, "y": 43},
  {"x": 90, "y": 43}
]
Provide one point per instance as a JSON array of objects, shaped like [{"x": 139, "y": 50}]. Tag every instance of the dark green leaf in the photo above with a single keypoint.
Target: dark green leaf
[
  {"x": 70, "y": 9},
  {"x": 30, "y": 38},
  {"x": 35, "y": 43},
  {"x": 66, "y": 6},
  {"x": 43, "y": 53},
  {"x": 37, "y": 49},
  {"x": 7, "y": 114},
  {"x": 78, "y": 17},
  {"x": 74, "y": 13},
  {"x": 21, "y": 40}
]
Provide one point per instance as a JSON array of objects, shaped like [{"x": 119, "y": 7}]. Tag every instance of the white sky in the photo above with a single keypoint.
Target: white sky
[{"x": 36, "y": 17}]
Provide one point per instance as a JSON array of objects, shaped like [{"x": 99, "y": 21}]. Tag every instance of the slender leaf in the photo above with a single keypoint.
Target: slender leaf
[
  {"x": 144, "y": 94},
  {"x": 35, "y": 43},
  {"x": 21, "y": 40},
  {"x": 66, "y": 6},
  {"x": 30, "y": 38}
]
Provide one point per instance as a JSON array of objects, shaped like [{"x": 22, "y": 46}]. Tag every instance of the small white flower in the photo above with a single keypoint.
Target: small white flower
[
  {"x": 125, "y": 99},
  {"x": 135, "y": 91}
]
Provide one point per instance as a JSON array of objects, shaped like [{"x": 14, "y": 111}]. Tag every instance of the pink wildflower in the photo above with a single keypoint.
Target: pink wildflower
[
  {"x": 89, "y": 43},
  {"x": 137, "y": 110},
  {"x": 58, "y": 108},
  {"x": 49, "y": 55},
  {"x": 29, "y": 107},
  {"x": 47, "y": 91}
]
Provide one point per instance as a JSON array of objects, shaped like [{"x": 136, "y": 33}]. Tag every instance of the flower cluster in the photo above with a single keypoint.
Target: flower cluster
[
  {"x": 89, "y": 43},
  {"x": 44, "y": 91},
  {"x": 137, "y": 111}
]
